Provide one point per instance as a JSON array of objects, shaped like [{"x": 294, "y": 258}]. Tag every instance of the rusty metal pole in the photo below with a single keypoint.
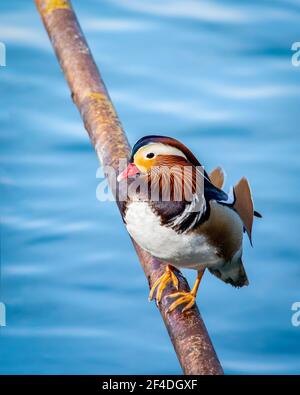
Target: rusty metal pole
[{"x": 187, "y": 330}]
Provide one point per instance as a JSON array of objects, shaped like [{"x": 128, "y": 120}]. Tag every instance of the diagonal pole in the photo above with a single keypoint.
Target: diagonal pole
[{"x": 186, "y": 330}]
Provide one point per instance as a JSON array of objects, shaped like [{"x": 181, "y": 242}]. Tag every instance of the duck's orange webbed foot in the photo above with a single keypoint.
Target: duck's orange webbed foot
[
  {"x": 185, "y": 297},
  {"x": 161, "y": 283},
  {"x": 188, "y": 298}
]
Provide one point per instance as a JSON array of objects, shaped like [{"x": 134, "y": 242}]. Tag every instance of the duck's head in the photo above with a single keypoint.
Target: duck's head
[{"x": 152, "y": 151}]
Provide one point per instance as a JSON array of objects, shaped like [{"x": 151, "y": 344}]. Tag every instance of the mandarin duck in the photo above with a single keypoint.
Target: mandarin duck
[{"x": 196, "y": 227}]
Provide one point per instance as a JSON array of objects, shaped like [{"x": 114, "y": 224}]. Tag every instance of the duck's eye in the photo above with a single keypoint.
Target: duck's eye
[{"x": 150, "y": 155}]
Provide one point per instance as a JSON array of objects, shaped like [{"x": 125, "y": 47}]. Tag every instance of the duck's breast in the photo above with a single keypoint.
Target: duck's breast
[{"x": 181, "y": 249}]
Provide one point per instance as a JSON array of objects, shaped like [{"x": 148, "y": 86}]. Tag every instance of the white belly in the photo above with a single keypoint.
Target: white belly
[{"x": 181, "y": 250}]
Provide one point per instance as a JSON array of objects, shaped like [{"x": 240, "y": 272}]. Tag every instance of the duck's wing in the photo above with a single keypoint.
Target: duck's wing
[
  {"x": 212, "y": 192},
  {"x": 239, "y": 198},
  {"x": 243, "y": 205}
]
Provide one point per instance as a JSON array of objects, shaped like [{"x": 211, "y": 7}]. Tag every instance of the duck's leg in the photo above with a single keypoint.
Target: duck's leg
[
  {"x": 161, "y": 283},
  {"x": 186, "y": 297}
]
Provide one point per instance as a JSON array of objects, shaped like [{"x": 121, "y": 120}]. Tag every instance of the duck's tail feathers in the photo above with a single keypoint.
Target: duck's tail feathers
[
  {"x": 257, "y": 214},
  {"x": 232, "y": 273}
]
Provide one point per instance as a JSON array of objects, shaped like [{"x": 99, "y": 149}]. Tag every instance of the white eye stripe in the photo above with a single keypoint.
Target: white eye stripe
[{"x": 161, "y": 149}]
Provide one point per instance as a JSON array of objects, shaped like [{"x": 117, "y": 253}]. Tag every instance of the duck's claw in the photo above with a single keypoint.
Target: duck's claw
[
  {"x": 184, "y": 297},
  {"x": 161, "y": 283}
]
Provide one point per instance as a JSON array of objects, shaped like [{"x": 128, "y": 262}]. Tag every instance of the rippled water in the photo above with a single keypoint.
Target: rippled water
[{"x": 216, "y": 75}]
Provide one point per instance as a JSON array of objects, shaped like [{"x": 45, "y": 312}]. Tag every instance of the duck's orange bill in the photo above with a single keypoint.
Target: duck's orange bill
[{"x": 130, "y": 171}]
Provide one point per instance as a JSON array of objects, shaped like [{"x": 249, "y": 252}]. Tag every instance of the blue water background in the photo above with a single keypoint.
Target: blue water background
[{"x": 216, "y": 75}]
